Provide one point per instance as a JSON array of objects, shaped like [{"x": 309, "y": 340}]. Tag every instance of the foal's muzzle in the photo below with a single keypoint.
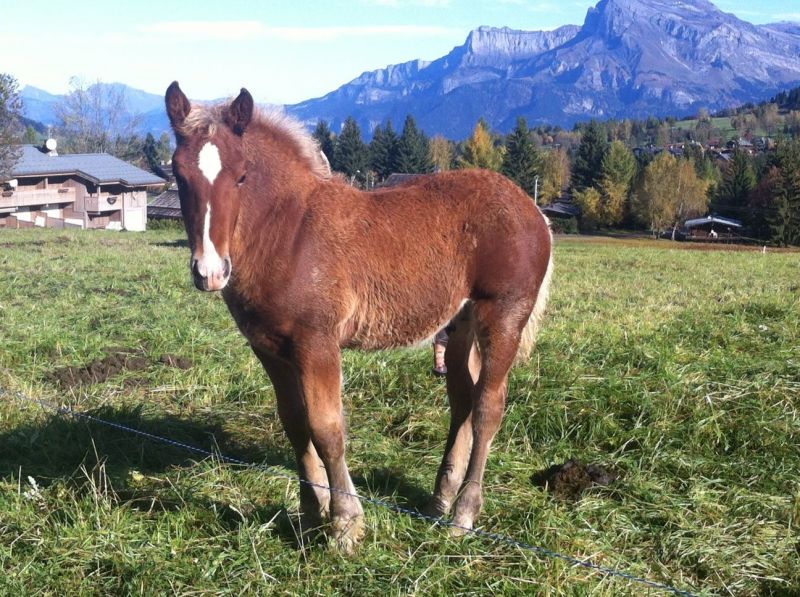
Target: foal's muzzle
[{"x": 211, "y": 277}]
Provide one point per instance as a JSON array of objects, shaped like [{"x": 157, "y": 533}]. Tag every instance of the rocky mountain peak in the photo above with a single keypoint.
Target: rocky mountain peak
[{"x": 515, "y": 44}]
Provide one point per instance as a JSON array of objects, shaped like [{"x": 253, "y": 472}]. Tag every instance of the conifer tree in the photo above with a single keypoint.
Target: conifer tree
[
  {"x": 521, "y": 162},
  {"x": 738, "y": 181},
  {"x": 587, "y": 168},
  {"x": 413, "y": 152},
  {"x": 383, "y": 151},
  {"x": 784, "y": 220},
  {"x": 325, "y": 138},
  {"x": 150, "y": 151},
  {"x": 350, "y": 154}
]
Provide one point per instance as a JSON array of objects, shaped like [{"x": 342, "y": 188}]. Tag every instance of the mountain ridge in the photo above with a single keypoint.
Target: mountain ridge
[{"x": 629, "y": 59}]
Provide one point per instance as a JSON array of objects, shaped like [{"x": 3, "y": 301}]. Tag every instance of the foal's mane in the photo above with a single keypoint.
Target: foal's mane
[{"x": 274, "y": 120}]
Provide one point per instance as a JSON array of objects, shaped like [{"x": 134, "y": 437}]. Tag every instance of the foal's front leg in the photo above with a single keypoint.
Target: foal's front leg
[
  {"x": 321, "y": 380},
  {"x": 314, "y": 497}
]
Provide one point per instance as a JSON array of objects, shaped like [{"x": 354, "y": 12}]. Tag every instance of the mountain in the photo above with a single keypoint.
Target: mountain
[
  {"x": 629, "y": 59},
  {"x": 39, "y": 105}
]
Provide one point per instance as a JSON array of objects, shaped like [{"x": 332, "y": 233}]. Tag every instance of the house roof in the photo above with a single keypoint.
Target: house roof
[
  {"x": 99, "y": 168},
  {"x": 166, "y": 205},
  {"x": 561, "y": 209},
  {"x": 730, "y": 222},
  {"x": 399, "y": 178}
]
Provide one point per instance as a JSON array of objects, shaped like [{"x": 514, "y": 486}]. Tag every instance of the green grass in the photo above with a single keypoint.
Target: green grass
[{"x": 679, "y": 369}]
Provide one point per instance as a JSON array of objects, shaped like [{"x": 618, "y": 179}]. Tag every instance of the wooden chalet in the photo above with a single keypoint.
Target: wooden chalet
[
  {"x": 85, "y": 191},
  {"x": 167, "y": 206}
]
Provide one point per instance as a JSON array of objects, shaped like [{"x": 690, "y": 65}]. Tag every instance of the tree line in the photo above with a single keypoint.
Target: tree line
[
  {"x": 622, "y": 173},
  {"x": 612, "y": 170}
]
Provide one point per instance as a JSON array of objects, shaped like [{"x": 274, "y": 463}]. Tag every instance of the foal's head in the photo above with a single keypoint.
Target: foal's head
[{"x": 210, "y": 167}]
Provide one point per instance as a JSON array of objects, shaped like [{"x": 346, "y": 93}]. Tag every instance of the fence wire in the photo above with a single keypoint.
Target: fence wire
[{"x": 278, "y": 473}]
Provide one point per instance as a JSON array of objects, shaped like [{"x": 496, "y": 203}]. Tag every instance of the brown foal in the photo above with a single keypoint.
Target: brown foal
[{"x": 309, "y": 265}]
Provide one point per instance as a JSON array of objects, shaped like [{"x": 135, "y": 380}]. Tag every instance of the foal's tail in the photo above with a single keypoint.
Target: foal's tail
[{"x": 531, "y": 330}]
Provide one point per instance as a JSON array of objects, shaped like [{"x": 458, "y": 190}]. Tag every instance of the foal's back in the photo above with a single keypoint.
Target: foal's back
[{"x": 409, "y": 256}]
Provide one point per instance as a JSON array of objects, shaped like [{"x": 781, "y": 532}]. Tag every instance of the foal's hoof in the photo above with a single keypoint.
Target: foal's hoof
[
  {"x": 436, "y": 508},
  {"x": 460, "y": 526},
  {"x": 347, "y": 533}
]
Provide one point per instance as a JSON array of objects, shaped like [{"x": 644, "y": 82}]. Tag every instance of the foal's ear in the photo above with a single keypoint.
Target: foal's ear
[
  {"x": 240, "y": 112},
  {"x": 177, "y": 105}
]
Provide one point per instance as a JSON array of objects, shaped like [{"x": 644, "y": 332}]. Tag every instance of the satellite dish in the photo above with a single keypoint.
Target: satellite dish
[{"x": 50, "y": 144}]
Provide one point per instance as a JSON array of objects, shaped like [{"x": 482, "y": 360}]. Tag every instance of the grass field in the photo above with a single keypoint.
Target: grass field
[{"x": 678, "y": 370}]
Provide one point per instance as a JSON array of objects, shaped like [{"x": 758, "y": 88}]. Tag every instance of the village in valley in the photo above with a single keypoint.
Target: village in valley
[{"x": 716, "y": 178}]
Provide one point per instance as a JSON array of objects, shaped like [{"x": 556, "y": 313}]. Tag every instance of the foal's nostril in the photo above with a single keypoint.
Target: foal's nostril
[
  {"x": 226, "y": 267},
  {"x": 193, "y": 266}
]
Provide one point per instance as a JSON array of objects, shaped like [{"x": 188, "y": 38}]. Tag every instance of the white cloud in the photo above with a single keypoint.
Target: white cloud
[
  {"x": 196, "y": 30},
  {"x": 401, "y": 3},
  {"x": 246, "y": 30}
]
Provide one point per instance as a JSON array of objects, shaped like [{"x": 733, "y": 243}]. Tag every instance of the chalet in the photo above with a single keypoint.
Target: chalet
[
  {"x": 167, "y": 206},
  {"x": 94, "y": 190}
]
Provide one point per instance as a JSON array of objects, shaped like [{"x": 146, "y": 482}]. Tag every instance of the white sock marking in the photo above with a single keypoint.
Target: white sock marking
[{"x": 209, "y": 162}]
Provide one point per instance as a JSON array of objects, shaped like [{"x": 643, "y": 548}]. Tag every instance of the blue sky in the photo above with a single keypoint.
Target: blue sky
[{"x": 283, "y": 51}]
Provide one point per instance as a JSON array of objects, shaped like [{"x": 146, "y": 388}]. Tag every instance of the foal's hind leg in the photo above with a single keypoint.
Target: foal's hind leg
[
  {"x": 463, "y": 366},
  {"x": 498, "y": 331},
  {"x": 314, "y": 500}
]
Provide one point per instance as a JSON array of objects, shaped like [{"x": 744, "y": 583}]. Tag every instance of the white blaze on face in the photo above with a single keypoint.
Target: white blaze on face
[
  {"x": 209, "y": 162},
  {"x": 210, "y": 263}
]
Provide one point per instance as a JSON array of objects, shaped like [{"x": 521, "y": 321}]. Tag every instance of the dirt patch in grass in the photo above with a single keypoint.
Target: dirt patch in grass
[
  {"x": 118, "y": 360},
  {"x": 568, "y": 481},
  {"x": 173, "y": 360}
]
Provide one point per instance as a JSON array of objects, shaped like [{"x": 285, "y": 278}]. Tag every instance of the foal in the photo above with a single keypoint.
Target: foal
[{"x": 309, "y": 265}]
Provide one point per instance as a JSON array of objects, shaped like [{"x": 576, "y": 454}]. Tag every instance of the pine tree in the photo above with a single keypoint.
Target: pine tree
[
  {"x": 587, "y": 168},
  {"x": 413, "y": 151},
  {"x": 150, "y": 151},
  {"x": 738, "y": 181},
  {"x": 383, "y": 151},
  {"x": 350, "y": 154},
  {"x": 521, "y": 162},
  {"x": 784, "y": 221},
  {"x": 325, "y": 138}
]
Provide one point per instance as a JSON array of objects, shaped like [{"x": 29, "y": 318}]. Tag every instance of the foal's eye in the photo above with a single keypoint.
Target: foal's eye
[{"x": 240, "y": 182}]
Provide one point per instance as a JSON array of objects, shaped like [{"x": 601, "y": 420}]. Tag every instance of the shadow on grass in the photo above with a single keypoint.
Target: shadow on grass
[
  {"x": 71, "y": 449},
  {"x": 64, "y": 448},
  {"x": 58, "y": 446}
]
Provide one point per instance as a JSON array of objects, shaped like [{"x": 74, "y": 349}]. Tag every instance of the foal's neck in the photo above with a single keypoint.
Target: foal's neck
[{"x": 272, "y": 208}]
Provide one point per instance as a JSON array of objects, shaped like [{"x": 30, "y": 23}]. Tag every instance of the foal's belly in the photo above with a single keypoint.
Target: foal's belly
[{"x": 371, "y": 327}]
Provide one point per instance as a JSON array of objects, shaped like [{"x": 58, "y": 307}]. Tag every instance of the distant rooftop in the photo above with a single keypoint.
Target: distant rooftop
[
  {"x": 730, "y": 222},
  {"x": 99, "y": 168}
]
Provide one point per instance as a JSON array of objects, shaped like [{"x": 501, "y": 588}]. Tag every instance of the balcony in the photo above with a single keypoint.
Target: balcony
[
  {"x": 10, "y": 200},
  {"x": 103, "y": 203}
]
